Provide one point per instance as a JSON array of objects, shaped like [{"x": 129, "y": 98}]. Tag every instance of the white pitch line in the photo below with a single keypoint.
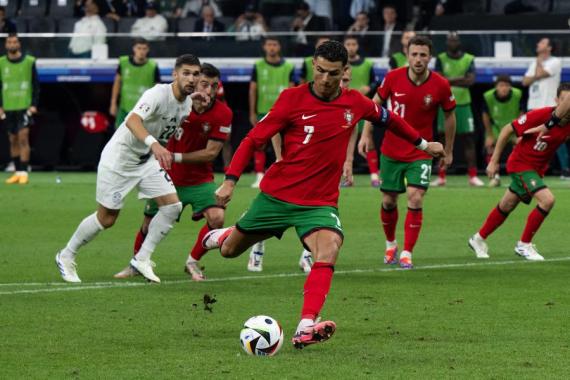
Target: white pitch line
[{"x": 109, "y": 285}]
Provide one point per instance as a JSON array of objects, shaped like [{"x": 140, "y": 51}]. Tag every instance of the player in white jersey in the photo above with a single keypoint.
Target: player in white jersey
[{"x": 134, "y": 157}]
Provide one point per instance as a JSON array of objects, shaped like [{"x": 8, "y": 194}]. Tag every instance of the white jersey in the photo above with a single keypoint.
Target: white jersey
[
  {"x": 161, "y": 113},
  {"x": 543, "y": 92}
]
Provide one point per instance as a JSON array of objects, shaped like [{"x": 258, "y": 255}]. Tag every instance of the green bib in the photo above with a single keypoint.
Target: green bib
[
  {"x": 135, "y": 79},
  {"x": 452, "y": 68},
  {"x": 502, "y": 113},
  {"x": 361, "y": 74},
  {"x": 309, "y": 75},
  {"x": 16, "y": 83},
  {"x": 400, "y": 58},
  {"x": 271, "y": 80}
]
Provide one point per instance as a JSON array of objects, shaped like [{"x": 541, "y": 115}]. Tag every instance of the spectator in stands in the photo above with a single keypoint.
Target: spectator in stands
[
  {"x": 543, "y": 78},
  {"x": 502, "y": 104},
  {"x": 251, "y": 25},
  {"x": 152, "y": 25},
  {"x": 400, "y": 58},
  {"x": 6, "y": 26},
  {"x": 431, "y": 8},
  {"x": 208, "y": 23},
  {"x": 171, "y": 8},
  {"x": 88, "y": 31},
  {"x": 116, "y": 9},
  {"x": 307, "y": 21},
  {"x": 194, "y": 7},
  {"x": 357, "y": 6},
  {"x": 389, "y": 26},
  {"x": 360, "y": 29},
  {"x": 322, "y": 8}
]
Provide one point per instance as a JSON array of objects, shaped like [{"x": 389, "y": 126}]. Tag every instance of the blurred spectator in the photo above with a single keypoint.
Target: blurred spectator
[
  {"x": 251, "y": 25},
  {"x": 543, "y": 78},
  {"x": 431, "y": 8},
  {"x": 389, "y": 44},
  {"x": 358, "y": 6},
  {"x": 171, "y": 8},
  {"x": 116, "y": 9},
  {"x": 6, "y": 26},
  {"x": 322, "y": 8},
  {"x": 400, "y": 58},
  {"x": 360, "y": 28},
  {"x": 208, "y": 23},
  {"x": 527, "y": 6},
  {"x": 152, "y": 25},
  {"x": 88, "y": 31},
  {"x": 306, "y": 21},
  {"x": 194, "y": 7}
]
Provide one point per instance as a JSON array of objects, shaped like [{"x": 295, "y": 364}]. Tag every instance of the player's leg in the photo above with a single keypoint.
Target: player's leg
[
  {"x": 545, "y": 202},
  {"x": 494, "y": 220},
  {"x": 227, "y": 152},
  {"x": 371, "y": 160},
  {"x": 441, "y": 178},
  {"x": 12, "y": 126},
  {"x": 129, "y": 271},
  {"x": 470, "y": 158},
  {"x": 393, "y": 184},
  {"x": 24, "y": 146}
]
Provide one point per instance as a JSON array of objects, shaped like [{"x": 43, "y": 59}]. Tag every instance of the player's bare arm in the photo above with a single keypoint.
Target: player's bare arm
[
  {"x": 449, "y": 125},
  {"x": 489, "y": 137},
  {"x": 277, "y": 143},
  {"x": 208, "y": 154},
  {"x": 366, "y": 142},
  {"x": 504, "y": 137},
  {"x": 115, "y": 95},
  {"x": 464, "y": 81},
  {"x": 135, "y": 125},
  {"x": 347, "y": 167}
]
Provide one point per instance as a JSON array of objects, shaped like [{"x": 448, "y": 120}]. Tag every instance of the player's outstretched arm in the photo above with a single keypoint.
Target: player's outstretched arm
[
  {"x": 504, "y": 137},
  {"x": 225, "y": 192},
  {"x": 208, "y": 154},
  {"x": 560, "y": 116},
  {"x": 136, "y": 126},
  {"x": 449, "y": 124}
]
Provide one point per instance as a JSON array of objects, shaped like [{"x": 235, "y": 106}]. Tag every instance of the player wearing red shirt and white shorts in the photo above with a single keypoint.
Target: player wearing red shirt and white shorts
[
  {"x": 526, "y": 165},
  {"x": 195, "y": 145},
  {"x": 415, "y": 93},
  {"x": 316, "y": 121}
]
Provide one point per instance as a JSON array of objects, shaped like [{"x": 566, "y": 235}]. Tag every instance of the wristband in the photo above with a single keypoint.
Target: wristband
[
  {"x": 178, "y": 157},
  {"x": 149, "y": 140},
  {"x": 554, "y": 120},
  {"x": 422, "y": 145}
]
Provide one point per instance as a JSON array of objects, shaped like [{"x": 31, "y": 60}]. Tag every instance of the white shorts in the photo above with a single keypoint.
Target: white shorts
[{"x": 113, "y": 186}]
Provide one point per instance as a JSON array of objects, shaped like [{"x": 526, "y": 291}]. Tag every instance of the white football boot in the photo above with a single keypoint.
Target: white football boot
[
  {"x": 144, "y": 267},
  {"x": 306, "y": 261},
  {"x": 67, "y": 268},
  {"x": 255, "y": 262},
  {"x": 528, "y": 251},
  {"x": 479, "y": 246}
]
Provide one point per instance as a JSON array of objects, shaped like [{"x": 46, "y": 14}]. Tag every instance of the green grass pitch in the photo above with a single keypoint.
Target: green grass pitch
[{"x": 452, "y": 317}]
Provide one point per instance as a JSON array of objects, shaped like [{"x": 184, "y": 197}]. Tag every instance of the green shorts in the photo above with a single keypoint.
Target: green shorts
[
  {"x": 525, "y": 184},
  {"x": 201, "y": 197},
  {"x": 268, "y": 215},
  {"x": 396, "y": 175},
  {"x": 463, "y": 120}
]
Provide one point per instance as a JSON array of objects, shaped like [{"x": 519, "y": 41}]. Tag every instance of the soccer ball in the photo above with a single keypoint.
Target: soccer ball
[{"x": 261, "y": 335}]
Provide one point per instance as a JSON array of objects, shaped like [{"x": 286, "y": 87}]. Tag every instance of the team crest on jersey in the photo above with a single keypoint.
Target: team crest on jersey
[
  {"x": 144, "y": 107},
  {"x": 427, "y": 100},
  {"x": 206, "y": 127},
  {"x": 348, "y": 116},
  {"x": 533, "y": 182},
  {"x": 522, "y": 119}
]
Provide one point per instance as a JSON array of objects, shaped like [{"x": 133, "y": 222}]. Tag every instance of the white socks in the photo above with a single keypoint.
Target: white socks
[
  {"x": 258, "y": 248},
  {"x": 158, "y": 228},
  {"x": 304, "y": 323},
  {"x": 85, "y": 232},
  {"x": 391, "y": 244}
]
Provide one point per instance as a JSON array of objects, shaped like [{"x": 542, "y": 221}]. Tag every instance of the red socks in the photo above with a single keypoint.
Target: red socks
[
  {"x": 316, "y": 289},
  {"x": 533, "y": 222},
  {"x": 494, "y": 220},
  {"x": 472, "y": 172},
  {"x": 412, "y": 227},
  {"x": 259, "y": 161},
  {"x": 198, "y": 250},
  {"x": 372, "y": 159},
  {"x": 442, "y": 173},
  {"x": 138, "y": 241},
  {"x": 389, "y": 220}
]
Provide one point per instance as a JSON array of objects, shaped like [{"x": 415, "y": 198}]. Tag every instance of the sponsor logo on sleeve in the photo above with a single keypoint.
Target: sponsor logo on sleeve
[
  {"x": 144, "y": 107},
  {"x": 522, "y": 119},
  {"x": 227, "y": 129}
]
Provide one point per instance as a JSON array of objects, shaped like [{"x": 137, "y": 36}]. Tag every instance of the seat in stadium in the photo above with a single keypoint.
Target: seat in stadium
[
  {"x": 61, "y": 9},
  {"x": 281, "y": 23},
  {"x": 65, "y": 25},
  {"x": 110, "y": 24},
  {"x": 21, "y": 24},
  {"x": 560, "y": 6},
  {"x": 186, "y": 25},
  {"x": 12, "y": 7},
  {"x": 33, "y": 8},
  {"x": 125, "y": 24},
  {"x": 41, "y": 25}
]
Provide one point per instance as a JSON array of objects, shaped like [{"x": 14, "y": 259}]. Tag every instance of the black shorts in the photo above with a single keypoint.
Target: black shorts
[{"x": 15, "y": 121}]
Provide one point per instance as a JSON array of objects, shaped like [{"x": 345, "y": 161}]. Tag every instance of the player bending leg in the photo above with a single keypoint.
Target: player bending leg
[
  {"x": 195, "y": 145},
  {"x": 526, "y": 165},
  {"x": 134, "y": 157},
  {"x": 316, "y": 121}
]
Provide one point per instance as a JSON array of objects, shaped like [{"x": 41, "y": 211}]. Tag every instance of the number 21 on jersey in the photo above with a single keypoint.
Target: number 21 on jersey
[{"x": 400, "y": 109}]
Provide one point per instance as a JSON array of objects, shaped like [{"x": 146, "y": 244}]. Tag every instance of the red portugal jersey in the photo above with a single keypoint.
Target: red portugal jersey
[
  {"x": 315, "y": 136},
  {"x": 213, "y": 124},
  {"x": 418, "y": 105},
  {"x": 531, "y": 153}
]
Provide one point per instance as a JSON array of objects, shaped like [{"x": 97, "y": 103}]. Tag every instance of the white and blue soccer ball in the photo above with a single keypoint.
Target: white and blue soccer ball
[{"x": 261, "y": 336}]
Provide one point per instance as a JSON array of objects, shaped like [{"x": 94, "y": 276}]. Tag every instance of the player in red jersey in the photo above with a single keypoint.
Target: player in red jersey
[
  {"x": 195, "y": 146},
  {"x": 526, "y": 165},
  {"x": 415, "y": 93},
  {"x": 316, "y": 121}
]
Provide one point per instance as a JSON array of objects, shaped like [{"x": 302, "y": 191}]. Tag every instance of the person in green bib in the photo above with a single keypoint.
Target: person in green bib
[
  {"x": 400, "y": 58},
  {"x": 18, "y": 103},
  {"x": 307, "y": 68},
  {"x": 135, "y": 74},
  {"x": 363, "y": 80},
  {"x": 271, "y": 75},
  {"x": 501, "y": 105},
  {"x": 459, "y": 69}
]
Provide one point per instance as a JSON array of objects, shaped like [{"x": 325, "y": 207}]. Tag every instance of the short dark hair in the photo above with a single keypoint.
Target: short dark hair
[
  {"x": 332, "y": 51},
  {"x": 304, "y": 6},
  {"x": 563, "y": 87},
  {"x": 186, "y": 59},
  {"x": 209, "y": 70},
  {"x": 420, "y": 41},
  {"x": 503, "y": 78},
  {"x": 3, "y": 9},
  {"x": 140, "y": 41},
  {"x": 350, "y": 37}
]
